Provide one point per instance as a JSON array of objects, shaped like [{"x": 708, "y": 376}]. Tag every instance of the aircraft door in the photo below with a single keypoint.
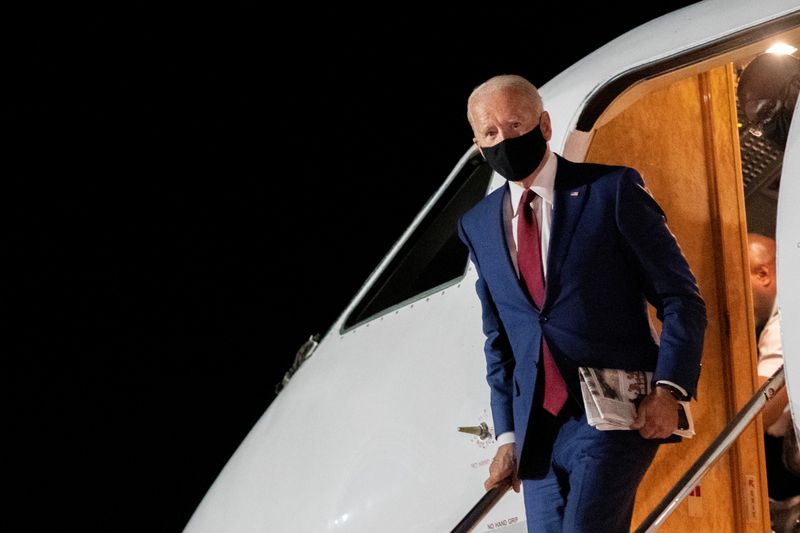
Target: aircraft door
[{"x": 788, "y": 241}]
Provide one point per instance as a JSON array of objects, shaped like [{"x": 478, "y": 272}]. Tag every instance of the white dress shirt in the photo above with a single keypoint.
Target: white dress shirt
[
  {"x": 770, "y": 359},
  {"x": 542, "y": 205}
]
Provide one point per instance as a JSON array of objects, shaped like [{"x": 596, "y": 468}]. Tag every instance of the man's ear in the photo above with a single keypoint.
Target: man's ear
[
  {"x": 762, "y": 274},
  {"x": 546, "y": 126}
]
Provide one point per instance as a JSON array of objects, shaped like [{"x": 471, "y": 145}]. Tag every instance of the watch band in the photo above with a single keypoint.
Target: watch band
[{"x": 673, "y": 390}]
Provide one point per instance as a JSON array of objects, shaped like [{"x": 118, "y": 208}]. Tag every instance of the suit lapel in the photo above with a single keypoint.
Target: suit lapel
[{"x": 569, "y": 198}]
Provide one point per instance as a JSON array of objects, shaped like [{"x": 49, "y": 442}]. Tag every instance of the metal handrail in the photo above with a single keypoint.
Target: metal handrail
[
  {"x": 683, "y": 487},
  {"x": 724, "y": 440},
  {"x": 483, "y": 506}
]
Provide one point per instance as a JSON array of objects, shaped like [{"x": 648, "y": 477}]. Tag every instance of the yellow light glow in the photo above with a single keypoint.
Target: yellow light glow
[{"x": 781, "y": 48}]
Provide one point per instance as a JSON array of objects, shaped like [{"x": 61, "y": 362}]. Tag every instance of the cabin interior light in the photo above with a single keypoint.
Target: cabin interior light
[{"x": 781, "y": 48}]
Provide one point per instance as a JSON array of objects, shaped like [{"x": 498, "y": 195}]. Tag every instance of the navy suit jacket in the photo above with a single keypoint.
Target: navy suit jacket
[{"x": 610, "y": 253}]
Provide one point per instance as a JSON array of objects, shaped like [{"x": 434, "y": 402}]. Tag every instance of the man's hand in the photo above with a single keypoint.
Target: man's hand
[
  {"x": 657, "y": 416},
  {"x": 504, "y": 466}
]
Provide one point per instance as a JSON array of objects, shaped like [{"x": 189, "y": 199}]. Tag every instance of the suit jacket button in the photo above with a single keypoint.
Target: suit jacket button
[{"x": 542, "y": 319}]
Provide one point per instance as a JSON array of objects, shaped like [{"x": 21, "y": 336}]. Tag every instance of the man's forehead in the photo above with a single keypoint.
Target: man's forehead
[
  {"x": 502, "y": 101},
  {"x": 500, "y": 94}
]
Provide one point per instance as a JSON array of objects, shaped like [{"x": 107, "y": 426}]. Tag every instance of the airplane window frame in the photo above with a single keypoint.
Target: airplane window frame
[{"x": 370, "y": 307}]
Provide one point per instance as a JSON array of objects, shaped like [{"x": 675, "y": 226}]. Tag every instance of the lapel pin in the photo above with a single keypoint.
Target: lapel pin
[{"x": 574, "y": 193}]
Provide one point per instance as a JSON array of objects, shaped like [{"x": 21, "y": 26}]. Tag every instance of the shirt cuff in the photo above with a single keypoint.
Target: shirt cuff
[
  {"x": 506, "y": 438},
  {"x": 665, "y": 382}
]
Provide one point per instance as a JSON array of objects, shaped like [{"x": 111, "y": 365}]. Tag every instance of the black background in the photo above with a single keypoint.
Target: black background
[{"x": 191, "y": 194}]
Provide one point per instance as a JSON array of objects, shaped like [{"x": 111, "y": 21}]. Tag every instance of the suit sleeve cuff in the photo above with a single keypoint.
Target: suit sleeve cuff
[{"x": 506, "y": 438}]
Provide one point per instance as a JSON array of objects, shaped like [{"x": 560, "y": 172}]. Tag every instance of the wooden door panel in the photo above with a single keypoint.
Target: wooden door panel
[{"x": 684, "y": 141}]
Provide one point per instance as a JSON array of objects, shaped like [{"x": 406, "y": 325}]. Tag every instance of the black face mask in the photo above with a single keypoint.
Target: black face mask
[{"x": 516, "y": 158}]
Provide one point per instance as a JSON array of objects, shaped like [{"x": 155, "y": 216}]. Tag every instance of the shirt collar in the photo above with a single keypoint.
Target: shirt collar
[
  {"x": 543, "y": 184},
  {"x": 774, "y": 309}
]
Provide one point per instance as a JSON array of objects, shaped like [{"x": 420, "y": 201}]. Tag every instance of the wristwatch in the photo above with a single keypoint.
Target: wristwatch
[{"x": 673, "y": 390}]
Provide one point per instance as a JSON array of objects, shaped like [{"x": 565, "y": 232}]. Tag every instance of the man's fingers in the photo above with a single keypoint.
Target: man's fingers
[
  {"x": 502, "y": 468},
  {"x": 640, "y": 420},
  {"x": 496, "y": 478},
  {"x": 493, "y": 479},
  {"x": 647, "y": 432},
  {"x": 490, "y": 483},
  {"x": 653, "y": 430},
  {"x": 656, "y": 417},
  {"x": 649, "y": 429}
]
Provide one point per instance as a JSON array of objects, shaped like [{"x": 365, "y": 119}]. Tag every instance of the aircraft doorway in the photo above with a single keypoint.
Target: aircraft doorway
[
  {"x": 767, "y": 89},
  {"x": 715, "y": 183}
]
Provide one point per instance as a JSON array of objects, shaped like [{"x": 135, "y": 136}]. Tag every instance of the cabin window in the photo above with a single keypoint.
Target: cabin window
[{"x": 433, "y": 256}]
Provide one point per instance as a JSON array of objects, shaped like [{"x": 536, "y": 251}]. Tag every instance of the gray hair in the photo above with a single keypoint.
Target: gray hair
[{"x": 517, "y": 84}]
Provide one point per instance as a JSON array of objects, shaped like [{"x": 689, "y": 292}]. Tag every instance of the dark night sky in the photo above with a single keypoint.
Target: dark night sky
[{"x": 190, "y": 196}]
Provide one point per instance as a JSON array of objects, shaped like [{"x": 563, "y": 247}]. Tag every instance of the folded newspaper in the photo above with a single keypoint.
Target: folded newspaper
[{"x": 611, "y": 397}]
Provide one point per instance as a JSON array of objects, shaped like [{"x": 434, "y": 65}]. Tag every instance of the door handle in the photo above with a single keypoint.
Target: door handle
[{"x": 481, "y": 431}]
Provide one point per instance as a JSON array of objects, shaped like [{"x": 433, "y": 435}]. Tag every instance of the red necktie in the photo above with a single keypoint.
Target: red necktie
[{"x": 529, "y": 260}]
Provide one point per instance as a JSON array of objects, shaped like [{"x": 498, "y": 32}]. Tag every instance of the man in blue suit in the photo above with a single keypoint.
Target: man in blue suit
[{"x": 567, "y": 257}]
